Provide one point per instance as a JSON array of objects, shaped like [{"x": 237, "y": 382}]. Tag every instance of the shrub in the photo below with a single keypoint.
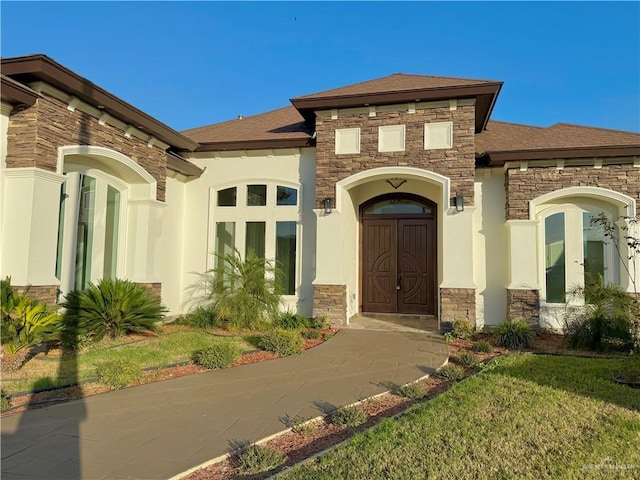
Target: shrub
[
  {"x": 482, "y": 346},
  {"x": 290, "y": 321},
  {"x": 327, "y": 336},
  {"x": 203, "y": 317},
  {"x": 25, "y": 322},
  {"x": 514, "y": 334},
  {"x": 463, "y": 329},
  {"x": 282, "y": 342},
  {"x": 609, "y": 315},
  {"x": 349, "y": 416},
  {"x": 319, "y": 323},
  {"x": 220, "y": 355},
  {"x": 448, "y": 337},
  {"x": 412, "y": 391},
  {"x": 469, "y": 359},
  {"x": 118, "y": 373},
  {"x": 451, "y": 372},
  {"x": 311, "y": 334},
  {"x": 242, "y": 292},
  {"x": 258, "y": 459},
  {"x": 300, "y": 425},
  {"x": 113, "y": 307},
  {"x": 5, "y": 401}
]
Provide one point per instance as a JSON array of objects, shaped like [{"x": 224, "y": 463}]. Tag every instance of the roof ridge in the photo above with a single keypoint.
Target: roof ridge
[
  {"x": 519, "y": 124},
  {"x": 244, "y": 117},
  {"x": 595, "y": 128}
]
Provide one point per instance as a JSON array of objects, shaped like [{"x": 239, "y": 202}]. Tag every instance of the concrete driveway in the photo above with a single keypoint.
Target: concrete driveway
[{"x": 159, "y": 430}]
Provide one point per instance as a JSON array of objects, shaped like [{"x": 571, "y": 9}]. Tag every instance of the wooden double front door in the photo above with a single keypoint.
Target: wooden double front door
[{"x": 399, "y": 264}]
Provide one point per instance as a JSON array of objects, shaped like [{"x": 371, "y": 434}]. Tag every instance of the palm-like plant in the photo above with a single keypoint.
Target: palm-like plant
[
  {"x": 243, "y": 292},
  {"x": 112, "y": 307}
]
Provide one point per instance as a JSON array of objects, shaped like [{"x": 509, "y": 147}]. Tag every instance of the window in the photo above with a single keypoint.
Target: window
[
  {"x": 575, "y": 250},
  {"x": 271, "y": 233},
  {"x": 256, "y": 195},
  {"x": 111, "y": 233},
  {"x": 286, "y": 256},
  {"x": 227, "y": 197},
  {"x": 255, "y": 238},
  {"x": 286, "y": 196},
  {"x": 391, "y": 138}
]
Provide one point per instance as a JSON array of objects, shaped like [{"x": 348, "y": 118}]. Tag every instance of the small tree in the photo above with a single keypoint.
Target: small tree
[
  {"x": 244, "y": 292},
  {"x": 627, "y": 234}
]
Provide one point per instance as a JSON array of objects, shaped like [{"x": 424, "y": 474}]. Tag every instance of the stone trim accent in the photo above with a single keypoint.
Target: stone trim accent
[
  {"x": 457, "y": 163},
  {"x": 523, "y": 186},
  {"x": 155, "y": 288},
  {"x": 524, "y": 304},
  {"x": 34, "y": 135},
  {"x": 330, "y": 301},
  {"x": 457, "y": 303},
  {"x": 47, "y": 294}
]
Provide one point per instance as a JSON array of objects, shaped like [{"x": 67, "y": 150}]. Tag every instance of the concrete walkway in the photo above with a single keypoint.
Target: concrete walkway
[{"x": 159, "y": 430}]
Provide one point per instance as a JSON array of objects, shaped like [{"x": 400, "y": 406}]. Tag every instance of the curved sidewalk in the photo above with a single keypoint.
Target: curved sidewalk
[{"x": 159, "y": 430}]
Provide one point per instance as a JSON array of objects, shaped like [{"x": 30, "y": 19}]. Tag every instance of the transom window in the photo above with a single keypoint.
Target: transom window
[{"x": 397, "y": 205}]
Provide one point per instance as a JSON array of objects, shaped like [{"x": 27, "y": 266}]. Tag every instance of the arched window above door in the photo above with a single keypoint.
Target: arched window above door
[{"x": 398, "y": 204}]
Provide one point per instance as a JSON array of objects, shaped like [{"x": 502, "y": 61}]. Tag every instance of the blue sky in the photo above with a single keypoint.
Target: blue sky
[{"x": 195, "y": 63}]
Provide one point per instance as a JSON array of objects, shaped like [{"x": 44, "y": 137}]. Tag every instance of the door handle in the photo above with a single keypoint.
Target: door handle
[{"x": 399, "y": 282}]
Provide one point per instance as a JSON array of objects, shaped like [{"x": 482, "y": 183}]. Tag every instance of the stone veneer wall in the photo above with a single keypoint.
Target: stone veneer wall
[
  {"x": 35, "y": 134},
  {"x": 331, "y": 301},
  {"x": 457, "y": 163},
  {"x": 521, "y": 187},
  {"x": 524, "y": 304},
  {"x": 154, "y": 288},
  {"x": 42, "y": 293},
  {"x": 457, "y": 303}
]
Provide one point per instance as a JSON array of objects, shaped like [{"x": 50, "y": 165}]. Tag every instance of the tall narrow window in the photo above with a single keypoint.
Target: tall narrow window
[
  {"x": 255, "y": 238},
  {"x": 84, "y": 238},
  {"x": 555, "y": 257},
  {"x": 63, "y": 195},
  {"x": 593, "y": 241},
  {"x": 111, "y": 233},
  {"x": 225, "y": 243},
  {"x": 286, "y": 256}
]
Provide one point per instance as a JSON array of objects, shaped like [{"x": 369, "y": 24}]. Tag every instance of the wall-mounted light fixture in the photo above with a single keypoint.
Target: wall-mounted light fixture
[
  {"x": 327, "y": 206},
  {"x": 459, "y": 203},
  {"x": 396, "y": 183}
]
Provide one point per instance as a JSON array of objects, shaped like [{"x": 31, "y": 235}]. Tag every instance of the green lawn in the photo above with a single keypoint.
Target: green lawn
[
  {"x": 533, "y": 417},
  {"x": 166, "y": 348}
]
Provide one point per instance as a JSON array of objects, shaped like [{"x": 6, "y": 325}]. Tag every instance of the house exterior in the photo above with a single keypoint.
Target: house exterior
[{"x": 397, "y": 195}]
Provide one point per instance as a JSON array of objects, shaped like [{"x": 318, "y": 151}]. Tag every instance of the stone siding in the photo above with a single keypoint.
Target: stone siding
[
  {"x": 457, "y": 303},
  {"x": 34, "y": 135},
  {"x": 330, "y": 301},
  {"x": 47, "y": 294},
  {"x": 154, "y": 288},
  {"x": 457, "y": 163},
  {"x": 524, "y": 186},
  {"x": 524, "y": 304}
]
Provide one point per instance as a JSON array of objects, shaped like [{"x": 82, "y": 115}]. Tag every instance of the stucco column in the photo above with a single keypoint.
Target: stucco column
[
  {"x": 329, "y": 288},
  {"x": 29, "y": 231},
  {"x": 523, "y": 289},
  {"x": 457, "y": 288},
  {"x": 144, "y": 252}
]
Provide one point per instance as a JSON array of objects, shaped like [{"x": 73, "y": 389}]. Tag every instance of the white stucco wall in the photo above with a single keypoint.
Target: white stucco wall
[
  {"x": 288, "y": 167},
  {"x": 490, "y": 246}
]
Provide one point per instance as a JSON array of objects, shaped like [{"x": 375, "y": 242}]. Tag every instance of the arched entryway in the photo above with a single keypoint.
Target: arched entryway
[{"x": 398, "y": 255}]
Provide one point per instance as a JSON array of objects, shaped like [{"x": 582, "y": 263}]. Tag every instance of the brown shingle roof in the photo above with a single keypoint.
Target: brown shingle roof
[
  {"x": 398, "y": 82},
  {"x": 501, "y": 141},
  {"x": 277, "y": 128}
]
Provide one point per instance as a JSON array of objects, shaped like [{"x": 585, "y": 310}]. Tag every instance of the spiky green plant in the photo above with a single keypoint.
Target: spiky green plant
[
  {"x": 111, "y": 308},
  {"x": 242, "y": 291}
]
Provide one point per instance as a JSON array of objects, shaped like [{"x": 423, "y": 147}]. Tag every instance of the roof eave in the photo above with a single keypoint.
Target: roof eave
[
  {"x": 44, "y": 68},
  {"x": 256, "y": 144},
  {"x": 183, "y": 166},
  {"x": 488, "y": 91},
  {"x": 498, "y": 158},
  {"x": 15, "y": 93}
]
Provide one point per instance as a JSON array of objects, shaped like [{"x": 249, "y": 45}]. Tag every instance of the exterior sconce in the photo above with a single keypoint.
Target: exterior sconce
[
  {"x": 459, "y": 203},
  {"x": 327, "y": 206}
]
